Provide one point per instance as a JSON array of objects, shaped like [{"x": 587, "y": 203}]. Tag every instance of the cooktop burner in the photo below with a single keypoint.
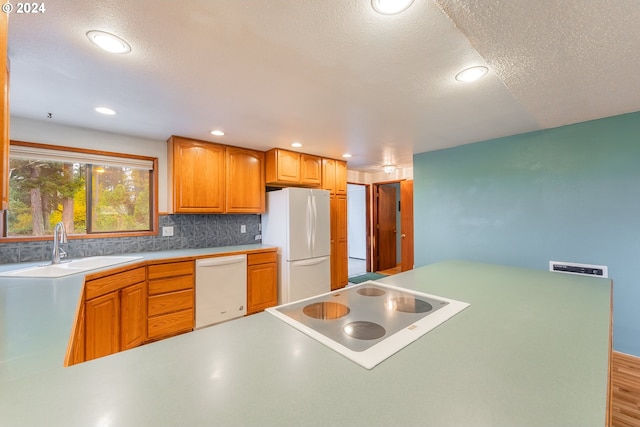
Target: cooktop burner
[
  {"x": 368, "y": 322},
  {"x": 364, "y": 330},
  {"x": 325, "y": 310}
]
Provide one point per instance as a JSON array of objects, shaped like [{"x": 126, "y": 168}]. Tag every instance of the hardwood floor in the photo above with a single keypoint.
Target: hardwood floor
[
  {"x": 395, "y": 270},
  {"x": 625, "y": 388}
]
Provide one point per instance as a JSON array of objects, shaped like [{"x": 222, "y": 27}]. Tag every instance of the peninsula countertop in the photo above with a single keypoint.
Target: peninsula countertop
[{"x": 532, "y": 349}]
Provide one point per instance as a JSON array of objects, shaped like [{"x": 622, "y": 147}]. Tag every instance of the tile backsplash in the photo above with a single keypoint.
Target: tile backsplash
[{"x": 189, "y": 231}]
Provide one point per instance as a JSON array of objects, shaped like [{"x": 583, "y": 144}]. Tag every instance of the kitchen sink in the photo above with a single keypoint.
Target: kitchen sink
[{"x": 66, "y": 268}]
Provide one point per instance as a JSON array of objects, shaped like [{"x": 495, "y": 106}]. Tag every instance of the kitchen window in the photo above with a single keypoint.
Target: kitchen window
[{"x": 94, "y": 193}]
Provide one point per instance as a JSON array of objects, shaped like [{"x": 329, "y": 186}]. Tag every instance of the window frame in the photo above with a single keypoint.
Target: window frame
[{"x": 94, "y": 235}]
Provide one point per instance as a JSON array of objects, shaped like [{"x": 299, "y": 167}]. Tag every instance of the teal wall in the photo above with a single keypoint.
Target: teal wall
[{"x": 565, "y": 194}]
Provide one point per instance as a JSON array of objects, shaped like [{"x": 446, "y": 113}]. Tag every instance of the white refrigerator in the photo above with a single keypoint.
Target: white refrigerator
[{"x": 297, "y": 221}]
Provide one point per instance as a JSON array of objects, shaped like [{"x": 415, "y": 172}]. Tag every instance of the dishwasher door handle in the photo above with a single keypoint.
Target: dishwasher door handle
[{"x": 214, "y": 262}]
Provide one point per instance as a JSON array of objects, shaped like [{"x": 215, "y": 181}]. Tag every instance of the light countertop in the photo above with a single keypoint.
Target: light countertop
[{"x": 531, "y": 350}]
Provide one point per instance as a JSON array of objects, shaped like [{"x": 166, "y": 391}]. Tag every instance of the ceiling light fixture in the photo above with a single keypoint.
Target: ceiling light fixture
[
  {"x": 471, "y": 74},
  {"x": 389, "y": 168},
  {"x": 106, "y": 111},
  {"x": 346, "y": 155},
  {"x": 296, "y": 145},
  {"x": 390, "y": 7},
  {"x": 108, "y": 42},
  {"x": 217, "y": 132}
]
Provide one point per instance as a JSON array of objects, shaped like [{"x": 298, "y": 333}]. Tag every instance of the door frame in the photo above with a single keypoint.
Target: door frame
[
  {"x": 367, "y": 224},
  {"x": 406, "y": 196}
]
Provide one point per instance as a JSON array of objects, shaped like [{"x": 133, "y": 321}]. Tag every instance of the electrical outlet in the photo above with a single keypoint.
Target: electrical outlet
[
  {"x": 581, "y": 269},
  {"x": 258, "y": 236},
  {"x": 167, "y": 231},
  {"x": 243, "y": 228}
]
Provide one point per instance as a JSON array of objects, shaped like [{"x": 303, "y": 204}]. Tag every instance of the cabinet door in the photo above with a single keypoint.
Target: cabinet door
[
  {"x": 245, "y": 181},
  {"x": 133, "y": 316},
  {"x": 310, "y": 170},
  {"x": 339, "y": 249},
  {"x": 288, "y": 166},
  {"x": 341, "y": 177},
  {"x": 329, "y": 175},
  {"x": 102, "y": 326},
  {"x": 197, "y": 176},
  {"x": 262, "y": 287},
  {"x": 342, "y": 256}
]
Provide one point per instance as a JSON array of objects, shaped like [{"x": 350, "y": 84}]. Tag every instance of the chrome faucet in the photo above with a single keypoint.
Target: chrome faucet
[{"x": 59, "y": 237}]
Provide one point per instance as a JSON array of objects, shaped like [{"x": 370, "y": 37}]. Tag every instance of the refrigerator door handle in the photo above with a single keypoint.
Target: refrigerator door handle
[
  {"x": 312, "y": 261},
  {"x": 315, "y": 222},
  {"x": 309, "y": 223}
]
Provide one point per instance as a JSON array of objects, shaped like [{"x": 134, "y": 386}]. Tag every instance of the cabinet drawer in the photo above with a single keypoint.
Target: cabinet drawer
[
  {"x": 262, "y": 258},
  {"x": 171, "y": 284},
  {"x": 167, "y": 303},
  {"x": 170, "y": 324},
  {"x": 104, "y": 285},
  {"x": 170, "y": 269}
]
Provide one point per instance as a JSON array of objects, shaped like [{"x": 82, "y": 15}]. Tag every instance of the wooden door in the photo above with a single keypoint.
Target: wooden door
[
  {"x": 386, "y": 227},
  {"x": 102, "y": 326},
  {"x": 198, "y": 176},
  {"x": 245, "y": 187},
  {"x": 406, "y": 224},
  {"x": 133, "y": 316}
]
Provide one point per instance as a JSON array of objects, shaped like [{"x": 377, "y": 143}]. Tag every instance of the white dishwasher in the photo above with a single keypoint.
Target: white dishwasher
[{"x": 221, "y": 289}]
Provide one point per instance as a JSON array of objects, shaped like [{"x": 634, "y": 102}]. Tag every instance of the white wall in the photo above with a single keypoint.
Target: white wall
[
  {"x": 358, "y": 177},
  {"x": 356, "y": 221},
  {"x": 44, "y": 132}
]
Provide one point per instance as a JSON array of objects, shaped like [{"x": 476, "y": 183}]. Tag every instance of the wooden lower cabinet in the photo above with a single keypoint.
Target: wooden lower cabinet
[
  {"x": 125, "y": 309},
  {"x": 262, "y": 281},
  {"x": 132, "y": 316},
  {"x": 102, "y": 326},
  {"x": 114, "y": 310},
  {"x": 170, "y": 303}
]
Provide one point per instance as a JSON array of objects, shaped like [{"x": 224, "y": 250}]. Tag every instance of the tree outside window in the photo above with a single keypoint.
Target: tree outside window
[{"x": 104, "y": 194}]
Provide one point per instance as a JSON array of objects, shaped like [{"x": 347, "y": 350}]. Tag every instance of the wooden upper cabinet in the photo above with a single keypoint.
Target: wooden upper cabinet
[
  {"x": 205, "y": 177},
  {"x": 196, "y": 176},
  {"x": 283, "y": 167},
  {"x": 341, "y": 177},
  {"x": 310, "y": 170},
  {"x": 245, "y": 181},
  {"x": 289, "y": 168},
  {"x": 329, "y": 175},
  {"x": 4, "y": 114},
  {"x": 334, "y": 176}
]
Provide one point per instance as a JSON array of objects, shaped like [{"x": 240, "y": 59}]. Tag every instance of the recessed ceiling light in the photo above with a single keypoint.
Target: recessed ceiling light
[
  {"x": 217, "y": 133},
  {"x": 105, "y": 110},
  {"x": 108, "y": 42},
  {"x": 471, "y": 74},
  {"x": 296, "y": 144},
  {"x": 346, "y": 155},
  {"x": 390, "y": 7}
]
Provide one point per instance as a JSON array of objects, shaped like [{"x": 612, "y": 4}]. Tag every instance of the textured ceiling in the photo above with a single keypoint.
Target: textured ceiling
[{"x": 332, "y": 74}]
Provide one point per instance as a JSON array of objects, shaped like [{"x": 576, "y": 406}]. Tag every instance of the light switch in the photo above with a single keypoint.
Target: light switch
[{"x": 243, "y": 228}]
